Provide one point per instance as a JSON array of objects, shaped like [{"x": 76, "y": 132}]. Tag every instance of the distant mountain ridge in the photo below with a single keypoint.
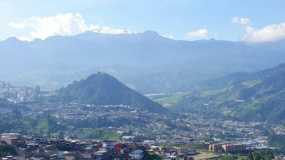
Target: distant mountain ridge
[
  {"x": 103, "y": 89},
  {"x": 247, "y": 96},
  {"x": 145, "y": 61}
]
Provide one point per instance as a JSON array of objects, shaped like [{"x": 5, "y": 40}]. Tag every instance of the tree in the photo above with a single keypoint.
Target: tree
[
  {"x": 6, "y": 150},
  {"x": 151, "y": 156},
  {"x": 261, "y": 155}
]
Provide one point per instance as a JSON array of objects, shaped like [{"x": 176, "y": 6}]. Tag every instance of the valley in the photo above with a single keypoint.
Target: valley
[{"x": 84, "y": 110}]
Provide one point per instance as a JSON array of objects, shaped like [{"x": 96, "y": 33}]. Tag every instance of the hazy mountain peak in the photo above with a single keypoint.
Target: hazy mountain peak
[
  {"x": 151, "y": 33},
  {"x": 12, "y": 40},
  {"x": 100, "y": 76}
]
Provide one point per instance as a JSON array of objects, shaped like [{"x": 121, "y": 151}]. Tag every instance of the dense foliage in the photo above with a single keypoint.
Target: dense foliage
[
  {"x": 149, "y": 156},
  {"x": 277, "y": 141},
  {"x": 7, "y": 150},
  {"x": 261, "y": 155},
  {"x": 256, "y": 155}
]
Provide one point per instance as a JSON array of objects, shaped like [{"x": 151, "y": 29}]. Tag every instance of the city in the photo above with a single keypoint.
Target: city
[{"x": 142, "y": 80}]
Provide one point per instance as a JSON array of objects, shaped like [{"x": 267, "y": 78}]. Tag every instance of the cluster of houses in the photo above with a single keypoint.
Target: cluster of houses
[
  {"x": 242, "y": 147},
  {"x": 38, "y": 148},
  {"x": 127, "y": 148},
  {"x": 18, "y": 94}
]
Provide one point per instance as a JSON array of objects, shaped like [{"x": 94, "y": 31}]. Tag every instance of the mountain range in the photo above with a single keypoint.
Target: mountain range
[
  {"x": 245, "y": 96},
  {"x": 145, "y": 61}
]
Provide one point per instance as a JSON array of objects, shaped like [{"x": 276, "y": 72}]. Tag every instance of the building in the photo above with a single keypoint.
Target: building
[
  {"x": 12, "y": 139},
  {"x": 234, "y": 148},
  {"x": 228, "y": 148},
  {"x": 137, "y": 154},
  {"x": 216, "y": 148}
]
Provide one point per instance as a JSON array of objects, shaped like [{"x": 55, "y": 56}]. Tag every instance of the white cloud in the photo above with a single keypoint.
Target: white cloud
[
  {"x": 198, "y": 34},
  {"x": 168, "y": 35},
  {"x": 269, "y": 33},
  {"x": 241, "y": 20},
  {"x": 108, "y": 30},
  {"x": 62, "y": 24}
]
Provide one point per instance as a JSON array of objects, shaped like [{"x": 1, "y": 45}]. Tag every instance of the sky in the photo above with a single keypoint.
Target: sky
[{"x": 235, "y": 20}]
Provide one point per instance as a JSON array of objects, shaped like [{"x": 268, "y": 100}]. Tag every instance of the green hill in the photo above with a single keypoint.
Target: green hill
[
  {"x": 103, "y": 89},
  {"x": 245, "y": 96}
]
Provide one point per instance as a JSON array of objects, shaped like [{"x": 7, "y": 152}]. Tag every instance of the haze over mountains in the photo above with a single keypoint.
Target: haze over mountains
[
  {"x": 145, "y": 61},
  {"x": 255, "y": 96}
]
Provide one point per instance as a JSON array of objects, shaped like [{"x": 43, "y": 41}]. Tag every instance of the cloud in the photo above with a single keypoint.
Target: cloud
[
  {"x": 62, "y": 24},
  {"x": 168, "y": 35},
  {"x": 269, "y": 33},
  {"x": 201, "y": 33},
  {"x": 241, "y": 20}
]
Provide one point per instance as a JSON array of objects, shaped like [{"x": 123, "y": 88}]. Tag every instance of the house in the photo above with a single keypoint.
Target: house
[
  {"x": 216, "y": 148},
  {"x": 12, "y": 139},
  {"x": 234, "y": 148},
  {"x": 69, "y": 156},
  {"x": 137, "y": 154}
]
